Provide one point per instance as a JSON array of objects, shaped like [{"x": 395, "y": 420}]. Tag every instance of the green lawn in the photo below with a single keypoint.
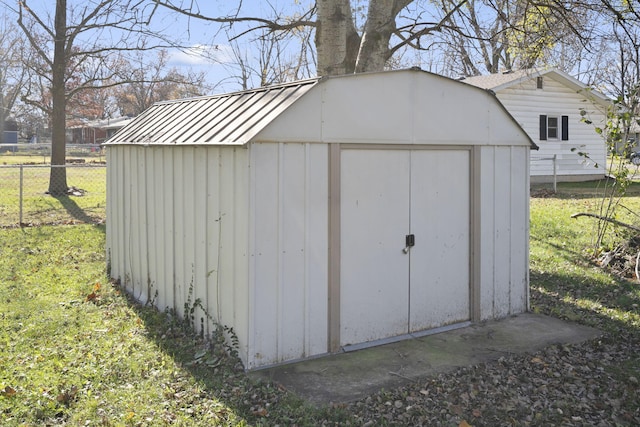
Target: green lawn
[
  {"x": 29, "y": 156},
  {"x": 74, "y": 350},
  {"x": 86, "y": 206},
  {"x": 565, "y": 279}
]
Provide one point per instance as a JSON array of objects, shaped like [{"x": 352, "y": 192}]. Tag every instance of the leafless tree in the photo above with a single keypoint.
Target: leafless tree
[
  {"x": 12, "y": 73},
  {"x": 345, "y": 42},
  {"x": 65, "y": 37},
  {"x": 272, "y": 58},
  {"x": 148, "y": 82},
  {"x": 487, "y": 36},
  {"x": 469, "y": 36}
]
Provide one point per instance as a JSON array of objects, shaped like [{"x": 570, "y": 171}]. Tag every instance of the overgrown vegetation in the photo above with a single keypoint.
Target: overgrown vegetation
[
  {"x": 566, "y": 279},
  {"x": 75, "y": 350},
  {"x": 617, "y": 130}
]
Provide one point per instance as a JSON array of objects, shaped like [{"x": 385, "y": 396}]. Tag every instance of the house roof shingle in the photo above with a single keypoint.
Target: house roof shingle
[{"x": 499, "y": 81}]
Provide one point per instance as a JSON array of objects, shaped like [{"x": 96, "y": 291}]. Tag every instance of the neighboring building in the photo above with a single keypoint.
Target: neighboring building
[
  {"x": 10, "y": 134},
  {"x": 95, "y": 131},
  {"x": 548, "y": 104},
  {"x": 9, "y": 137},
  {"x": 324, "y": 215}
]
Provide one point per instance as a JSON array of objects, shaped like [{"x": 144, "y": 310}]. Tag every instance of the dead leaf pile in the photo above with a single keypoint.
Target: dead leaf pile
[{"x": 561, "y": 385}]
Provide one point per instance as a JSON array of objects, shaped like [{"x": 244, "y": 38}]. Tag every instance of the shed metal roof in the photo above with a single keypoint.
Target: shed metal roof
[
  {"x": 231, "y": 118},
  {"x": 237, "y": 118}
]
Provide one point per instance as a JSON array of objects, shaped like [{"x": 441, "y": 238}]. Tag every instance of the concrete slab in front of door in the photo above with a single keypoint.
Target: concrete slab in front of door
[{"x": 350, "y": 376}]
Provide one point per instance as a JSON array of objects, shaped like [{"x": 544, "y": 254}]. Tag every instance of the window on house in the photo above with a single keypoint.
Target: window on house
[
  {"x": 552, "y": 128},
  {"x": 539, "y": 82}
]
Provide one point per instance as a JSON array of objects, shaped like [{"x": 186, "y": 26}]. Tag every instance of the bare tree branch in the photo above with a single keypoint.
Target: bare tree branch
[{"x": 608, "y": 219}]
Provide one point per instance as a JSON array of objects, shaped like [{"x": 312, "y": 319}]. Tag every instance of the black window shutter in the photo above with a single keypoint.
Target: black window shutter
[
  {"x": 543, "y": 127},
  {"x": 565, "y": 128}
]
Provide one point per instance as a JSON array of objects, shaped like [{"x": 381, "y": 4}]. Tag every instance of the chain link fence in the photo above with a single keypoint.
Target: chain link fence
[{"x": 25, "y": 200}]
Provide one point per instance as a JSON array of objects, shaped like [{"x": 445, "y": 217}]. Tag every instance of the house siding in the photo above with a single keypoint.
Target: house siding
[{"x": 526, "y": 103}]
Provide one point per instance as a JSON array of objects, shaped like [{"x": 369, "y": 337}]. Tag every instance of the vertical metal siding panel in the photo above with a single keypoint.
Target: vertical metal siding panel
[
  {"x": 126, "y": 219},
  {"x": 142, "y": 233},
  {"x": 200, "y": 217},
  {"x": 114, "y": 211},
  {"x": 290, "y": 238},
  {"x": 252, "y": 255},
  {"x": 118, "y": 201},
  {"x": 240, "y": 285},
  {"x": 186, "y": 207},
  {"x": 122, "y": 198},
  {"x": 108, "y": 238},
  {"x": 231, "y": 299},
  {"x": 159, "y": 228},
  {"x": 110, "y": 212},
  {"x": 316, "y": 247},
  {"x": 487, "y": 243},
  {"x": 502, "y": 231},
  {"x": 292, "y": 267},
  {"x": 213, "y": 225},
  {"x": 149, "y": 200},
  {"x": 519, "y": 192},
  {"x": 253, "y": 260},
  {"x": 167, "y": 161},
  {"x": 131, "y": 236},
  {"x": 153, "y": 245},
  {"x": 178, "y": 232},
  {"x": 184, "y": 223},
  {"x": 130, "y": 215},
  {"x": 266, "y": 310}
]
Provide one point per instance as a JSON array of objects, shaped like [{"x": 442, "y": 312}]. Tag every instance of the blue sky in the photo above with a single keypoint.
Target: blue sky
[
  {"x": 208, "y": 41},
  {"x": 209, "y": 48}
]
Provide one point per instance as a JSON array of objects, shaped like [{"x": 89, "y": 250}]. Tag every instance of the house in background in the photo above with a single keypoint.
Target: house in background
[
  {"x": 95, "y": 131},
  {"x": 10, "y": 133},
  {"x": 549, "y": 104},
  {"x": 9, "y": 136}
]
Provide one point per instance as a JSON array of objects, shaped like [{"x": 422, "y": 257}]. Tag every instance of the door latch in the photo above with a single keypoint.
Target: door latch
[{"x": 410, "y": 240}]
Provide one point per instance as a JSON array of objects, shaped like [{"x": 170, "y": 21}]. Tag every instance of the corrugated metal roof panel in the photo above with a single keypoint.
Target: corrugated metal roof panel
[{"x": 232, "y": 118}]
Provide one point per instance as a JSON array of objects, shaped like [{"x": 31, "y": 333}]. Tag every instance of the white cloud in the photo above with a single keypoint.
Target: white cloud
[{"x": 201, "y": 54}]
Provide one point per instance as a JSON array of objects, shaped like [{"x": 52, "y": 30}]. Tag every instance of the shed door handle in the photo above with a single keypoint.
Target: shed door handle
[{"x": 410, "y": 241}]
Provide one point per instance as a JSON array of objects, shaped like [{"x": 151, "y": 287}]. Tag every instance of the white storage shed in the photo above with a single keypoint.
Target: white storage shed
[{"x": 327, "y": 214}]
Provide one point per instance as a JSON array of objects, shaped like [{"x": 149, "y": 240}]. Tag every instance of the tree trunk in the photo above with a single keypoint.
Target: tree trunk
[
  {"x": 336, "y": 38},
  {"x": 374, "y": 47},
  {"x": 58, "y": 176}
]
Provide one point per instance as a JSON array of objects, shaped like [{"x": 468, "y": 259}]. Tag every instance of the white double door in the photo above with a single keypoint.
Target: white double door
[{"x": 388, "y": 288}]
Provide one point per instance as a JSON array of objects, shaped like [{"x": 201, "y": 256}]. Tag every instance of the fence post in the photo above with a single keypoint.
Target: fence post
[
  {"x": 555, "y": 175},
  {"x": 21, "y": 194}
]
